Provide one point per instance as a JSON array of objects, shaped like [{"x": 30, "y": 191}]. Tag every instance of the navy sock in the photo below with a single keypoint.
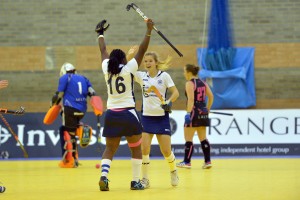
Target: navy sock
[
  {"x": 206, "y": 150},
  {"x": 188, "y": 151}
]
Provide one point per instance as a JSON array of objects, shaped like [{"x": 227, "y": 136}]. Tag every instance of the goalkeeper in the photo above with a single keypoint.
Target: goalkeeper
[{"x": 73, "y": 89}]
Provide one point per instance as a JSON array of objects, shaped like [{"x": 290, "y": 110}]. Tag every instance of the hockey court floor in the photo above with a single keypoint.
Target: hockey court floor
[{"x": 228, "y": 179}]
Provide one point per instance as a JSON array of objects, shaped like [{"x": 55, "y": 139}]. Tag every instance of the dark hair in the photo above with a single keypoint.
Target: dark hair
[
  {"x": 116, "y": 57},
  {"x": 192, "y": 68}
]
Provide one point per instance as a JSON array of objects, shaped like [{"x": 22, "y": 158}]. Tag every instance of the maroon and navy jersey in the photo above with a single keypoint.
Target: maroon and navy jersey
[
  {"x": 199, "y": 113},
  {"x": 199, "y": 93}
]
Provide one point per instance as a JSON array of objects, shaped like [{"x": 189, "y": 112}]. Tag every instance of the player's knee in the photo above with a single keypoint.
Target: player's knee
[
  {"x": 146, "y": 150},
  {"x": 136, "y": 153},
  {"x": 166, "y": 152},
  {"x": 135, "y": 144}
]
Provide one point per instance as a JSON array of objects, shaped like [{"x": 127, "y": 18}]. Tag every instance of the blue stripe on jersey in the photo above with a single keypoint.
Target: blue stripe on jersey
[{"x": 132, "y": 87}]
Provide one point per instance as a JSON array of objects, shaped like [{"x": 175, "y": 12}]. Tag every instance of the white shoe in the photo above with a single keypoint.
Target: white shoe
[
  {"x": 174, "y": 178},
  {"x": 207, "y": 165},
  {"x": 184, "y": 165},
  {"x": 145, "y": 182}
]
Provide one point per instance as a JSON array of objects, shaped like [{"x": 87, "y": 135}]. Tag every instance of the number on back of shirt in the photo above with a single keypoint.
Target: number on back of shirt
[
  {"x": 201, "y": 94},
  {"x": 116, "y": 85},
  {"x": 79, "y": 87}
]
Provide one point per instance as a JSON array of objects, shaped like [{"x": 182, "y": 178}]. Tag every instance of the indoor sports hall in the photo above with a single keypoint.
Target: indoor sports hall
[{"x": 248, "y": 55}]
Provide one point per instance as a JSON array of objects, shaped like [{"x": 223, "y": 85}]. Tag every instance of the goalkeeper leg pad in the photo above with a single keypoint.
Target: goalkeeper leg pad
[
  {"x": 68, "y": 159},
  {"x": 84, "y": 133}
]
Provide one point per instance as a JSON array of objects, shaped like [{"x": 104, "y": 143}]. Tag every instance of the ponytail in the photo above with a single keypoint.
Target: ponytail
[
  {"x": 192, "y": 68},
  {"x": 116, "y": 58},
  {"x": 161, "y": 64}
]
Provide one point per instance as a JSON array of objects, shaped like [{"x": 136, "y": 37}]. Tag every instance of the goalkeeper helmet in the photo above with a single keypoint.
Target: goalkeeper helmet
[{"x": 66, "y": 67}]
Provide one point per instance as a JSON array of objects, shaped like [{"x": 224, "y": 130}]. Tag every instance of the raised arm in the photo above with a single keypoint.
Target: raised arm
[
  {"x": 145, "y": 43},
  {"x": 100, "y": 28},
  {"x": 131, "y": 52}
]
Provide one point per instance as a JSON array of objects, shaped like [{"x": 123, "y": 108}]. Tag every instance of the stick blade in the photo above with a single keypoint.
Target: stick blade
[{"x": 25, "y": 155}]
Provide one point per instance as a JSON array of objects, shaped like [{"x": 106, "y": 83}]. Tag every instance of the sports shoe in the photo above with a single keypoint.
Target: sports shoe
[
  {"x": 184, "y": 165},
  {"x": 67, "y": 163},
  {"x": 103, "y": 184},
  {"x": 136, "y": 185},
  {"x": 174, "y": 178},
  {"x": 207, "y": 165},
  {"x": 76, "y": 163},
  {"x": 145, "y": 182}
]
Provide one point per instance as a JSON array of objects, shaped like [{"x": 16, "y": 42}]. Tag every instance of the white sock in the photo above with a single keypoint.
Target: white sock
[
  {"x": 136, "y": 168},
  {"x": 171, "y": 161},
  {"x": 145, "y": 166},
  {"x": 105, "y": 167}
]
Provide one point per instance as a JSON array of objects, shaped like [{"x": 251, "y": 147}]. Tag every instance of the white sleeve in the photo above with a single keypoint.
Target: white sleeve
[
  {"x": 132, "y": 66},
  {"x": 169, "y": 81},
  {"x": 105, "y": 65},
  {"x": 138, "y": 77}
]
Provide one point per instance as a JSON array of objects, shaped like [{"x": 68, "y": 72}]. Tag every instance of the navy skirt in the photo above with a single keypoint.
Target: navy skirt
[
  {"x": 120, "y": 123},
  {"x": 156, "y": 124}
]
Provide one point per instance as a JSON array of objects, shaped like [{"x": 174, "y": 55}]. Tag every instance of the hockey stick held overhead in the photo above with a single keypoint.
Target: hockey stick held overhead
[{"x": 138, "y": 10}]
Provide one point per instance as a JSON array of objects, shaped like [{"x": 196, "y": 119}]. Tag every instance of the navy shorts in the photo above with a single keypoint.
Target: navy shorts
[
  {"x": 156, "y": 124},
  {"x": 121, "y": 123},
  {"x": 198, "y": 119},
  {"x": 71, "y": 118}
]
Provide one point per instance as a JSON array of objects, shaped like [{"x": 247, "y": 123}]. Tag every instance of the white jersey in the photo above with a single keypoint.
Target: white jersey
[
  {"x": 151, "y": 103},
  {"x": 120, "y": 87}
]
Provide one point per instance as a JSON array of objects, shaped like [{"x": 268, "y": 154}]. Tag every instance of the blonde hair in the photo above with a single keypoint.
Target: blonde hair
[{"x": 161, "y": 64}]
